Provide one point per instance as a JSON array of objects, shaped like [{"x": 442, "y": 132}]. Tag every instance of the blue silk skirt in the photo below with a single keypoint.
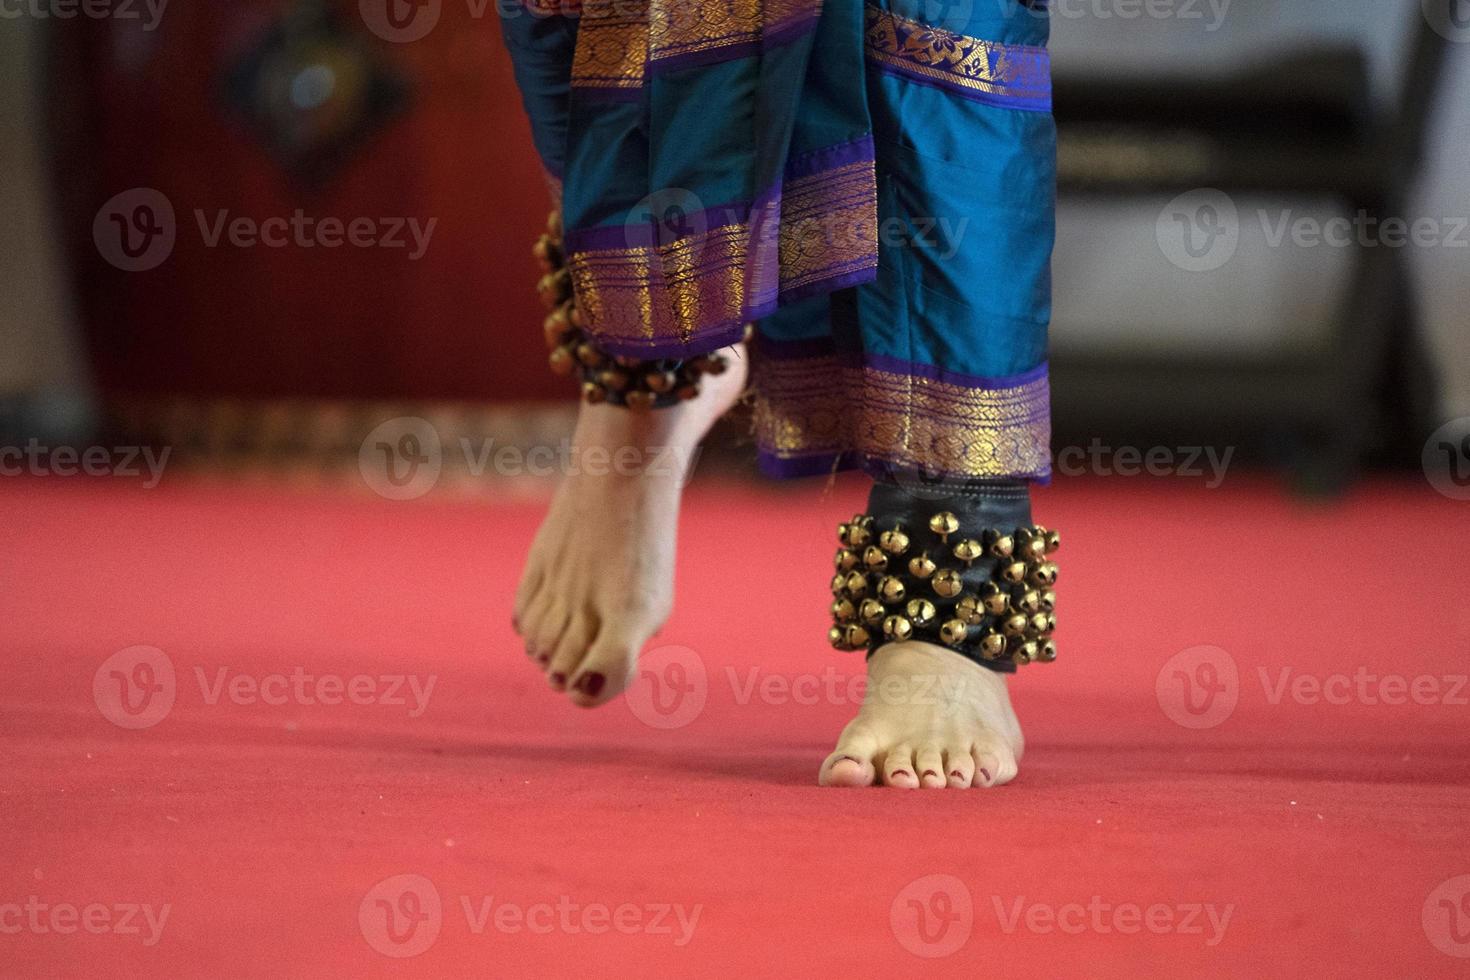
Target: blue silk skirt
[{"x": 872, "y": 184}]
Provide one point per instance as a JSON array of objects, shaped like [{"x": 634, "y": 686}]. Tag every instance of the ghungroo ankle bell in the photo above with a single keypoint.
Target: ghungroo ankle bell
[
  {"x": 624, "y": 381},
  {"x": 984, "y": 592}
]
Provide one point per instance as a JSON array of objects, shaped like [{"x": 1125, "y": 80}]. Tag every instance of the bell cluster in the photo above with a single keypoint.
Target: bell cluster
[
  {"x": 888, "y": 589},
  {"x": 624, "y": 381}
]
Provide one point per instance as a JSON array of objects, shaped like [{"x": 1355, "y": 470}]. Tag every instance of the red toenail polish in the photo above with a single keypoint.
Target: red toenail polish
[
  {"x": 558, "y": 680},
  {"x": 543, "y": 660},
  {"x": 591, "y": 684}
]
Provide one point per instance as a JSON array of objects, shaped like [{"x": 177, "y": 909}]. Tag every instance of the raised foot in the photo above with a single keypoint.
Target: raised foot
[
  {"x": 599, "y": 580},
  {"x": 931, "y": 719}
]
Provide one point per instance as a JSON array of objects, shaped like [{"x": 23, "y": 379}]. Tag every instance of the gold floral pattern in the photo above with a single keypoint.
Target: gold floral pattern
[
  {"x": 1014, "y": 74},
  {"x": 814, "y": 407}
]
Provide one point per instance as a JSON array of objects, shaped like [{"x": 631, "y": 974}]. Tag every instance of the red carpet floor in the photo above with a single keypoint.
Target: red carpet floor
[{"x": 1307, "y": 812}]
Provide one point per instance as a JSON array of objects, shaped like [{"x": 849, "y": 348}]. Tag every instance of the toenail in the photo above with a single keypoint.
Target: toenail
[
  {"x": 986, "y": 774},
  {"x": 931, "y": 772},
  {"x": 957, "y": 775},
  {"x": 558, "y": 680},
  {"x": 591, "y": 684},
  {"x": 543, "y": 660},
  {"x": 902, "y": 772}
]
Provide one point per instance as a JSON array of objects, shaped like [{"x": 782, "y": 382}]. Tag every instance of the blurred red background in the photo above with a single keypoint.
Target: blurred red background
[{"x": 306, "y": 322}]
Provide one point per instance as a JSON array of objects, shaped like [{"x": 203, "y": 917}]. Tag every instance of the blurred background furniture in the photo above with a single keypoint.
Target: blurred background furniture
[{"x": 1308, "y": 356}]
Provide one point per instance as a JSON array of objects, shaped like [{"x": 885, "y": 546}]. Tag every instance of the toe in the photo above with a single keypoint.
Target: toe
[
  {"x": 898, "y": 768},
  {"x": 548, "y": 630},
  {"x": 525, "y": 594},
  {"x": 851, "y": 763},
  {"x": 930, "y": 763},
  {"x": 571, "y": 647},
  {"x": 603, "y": 673},
  {"x": 960, "y": 767},
  {"x": 995, "y": 763}
]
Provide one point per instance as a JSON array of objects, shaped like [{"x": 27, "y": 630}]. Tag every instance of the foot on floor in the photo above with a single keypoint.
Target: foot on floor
[{"x": 930, "y": 719}]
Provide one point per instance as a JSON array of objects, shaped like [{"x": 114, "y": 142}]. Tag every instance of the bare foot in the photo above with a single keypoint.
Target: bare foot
[
  {"x": 599, "y": 580},
  {"x": 930, "y": 719}
]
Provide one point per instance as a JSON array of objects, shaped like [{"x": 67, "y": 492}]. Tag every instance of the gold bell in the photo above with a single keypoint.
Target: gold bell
[
  {"x": 993, "y": 646},
  {"x": 1014, "y": 626},
  {"x": 562, "y": 362},
  {"x": 921, "y": 567},
  {"x": 1040, "y": 623},
  {"x": 845, "y": 560},
  {"x": 844, "y": 611},
  {"x": 993, "y": 598},
  {"x": 640, "y": 401},
  {"x": 1053, "y": 541},
  {"x": 891, "y": 589},
  {"x": 593, "y": 394},
  {"x": 1048, "y": 600},
  {"x": 1029, "y": 601},
  {"x": 614, "y": 380},
  {"x": 545, "y": 252},
  {"x": 897, "y": 628},
  {"x": 553, "y": 224},
  {"x": 969, "y": 609},
  {"x": 948, "y": 584},
  {"x": 574, "y": 314},
  {"x": 875, "y": 559},
  {"x": 661, "y": 382},
  {"x": 838, "y": 638},
  {"x": 856, "y": 584},
  {"x": 968, "y": 550},
  {"x": 921, "y": 611},
  {"x": 839, "y": 584},
  {"x": 1047, "y": 653},
  {"x": 871, "y": 612},
  {"x": 1026, "y": 652},
  {"x": 686, "y": 393},
  {"x": 1030, "y": 547},
  {"x": 944, "y": 524},
  {"x": 894, "y": 542},
  {"x": 1044, "y": 575},
  {"x": 856, "y": 636},
  {"x": 1014, "y": 573},
  {"x": 590, "y": 356},
  {"x": 999, "y": 545},
  {"x": 749, "y": 333},
  {"x": 858, "y": 533},
  {"x": 953, "y": 632}
]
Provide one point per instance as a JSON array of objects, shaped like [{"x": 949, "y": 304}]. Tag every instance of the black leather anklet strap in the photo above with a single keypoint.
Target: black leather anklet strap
[
  {"x": 958, "y": 564},
  {"x": 623, "y": 381}
]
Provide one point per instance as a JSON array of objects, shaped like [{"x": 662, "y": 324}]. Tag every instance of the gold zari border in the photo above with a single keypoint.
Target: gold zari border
[{"x": 815, "y": 406}]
